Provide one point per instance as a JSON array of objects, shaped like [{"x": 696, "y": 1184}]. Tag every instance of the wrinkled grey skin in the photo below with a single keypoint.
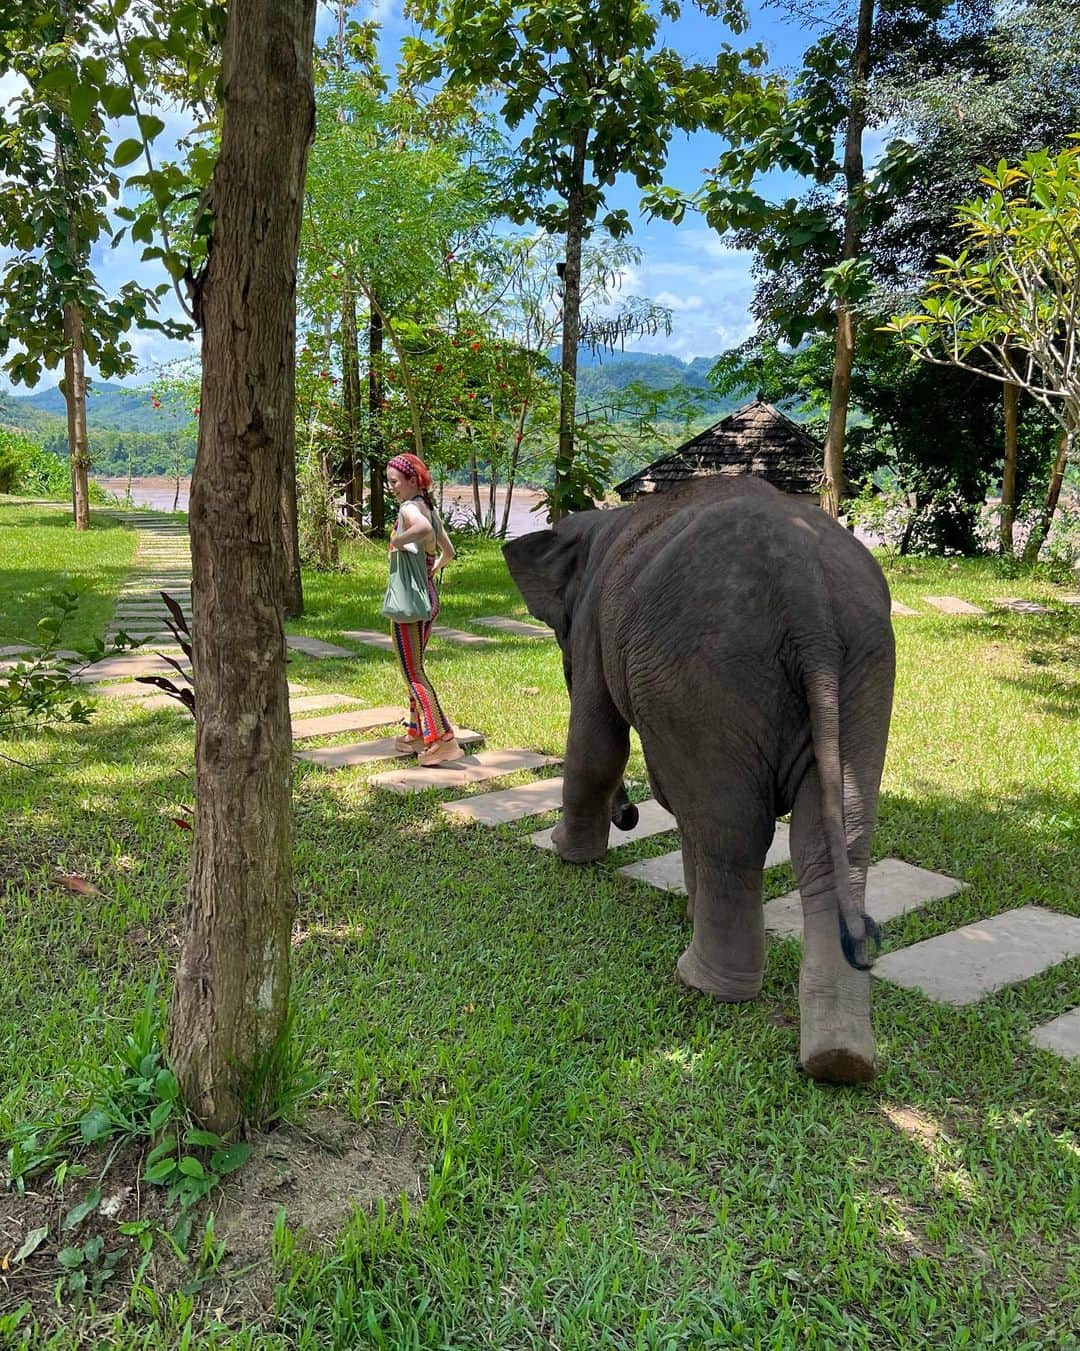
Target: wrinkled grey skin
[{"x": 747, "y": 637}]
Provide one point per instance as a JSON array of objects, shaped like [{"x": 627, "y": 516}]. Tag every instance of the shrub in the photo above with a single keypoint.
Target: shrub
[{"x": 26, "y": 467}]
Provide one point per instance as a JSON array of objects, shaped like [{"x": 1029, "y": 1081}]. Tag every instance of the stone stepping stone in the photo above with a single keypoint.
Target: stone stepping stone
[
  {"x": 358, "y": 720},
  {"x": 315, "y": 647},
  {"x": 363, "y": 752},
  {"x": 953, "y": 605},
  {"x": 509, "y": 804},
  {"x": 113, "y": 667},
  {"x": 460, "y": 773},
  {"x": 666, "y": 872},
  {"x": 893, "y": 887},
  {"x": 308, "y": 703},
  {"x": 652, "y": 820},
  {"x": 513, "y": 626},
  {"x": 899, "y": 608},
  {"x": 1022, "y": 607},
  {"x": 1061, "y": 1035},
  {"x": 963, "y": 966},
  {"x": 15, "y": 650},
  {"x": 460, "y": 636},
  {"x": 1069, "y": 600},
  {"x": 127, "y": 691},
  {"x": 370, "y": 638}
]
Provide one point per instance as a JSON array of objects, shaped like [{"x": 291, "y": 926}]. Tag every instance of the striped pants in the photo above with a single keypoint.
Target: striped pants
[{"x": 426, "y": 717}]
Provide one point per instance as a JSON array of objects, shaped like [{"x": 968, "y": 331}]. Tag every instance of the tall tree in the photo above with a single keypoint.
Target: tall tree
[
  {"x": 55, "y": 153},
  {"x": 1008, "y": 304},
  {"x": 595, "y": 93},
  {"x": 230, "y": 997}
]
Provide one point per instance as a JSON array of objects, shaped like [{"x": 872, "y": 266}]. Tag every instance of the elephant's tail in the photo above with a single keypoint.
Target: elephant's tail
[{"x": 822, "y": 688}]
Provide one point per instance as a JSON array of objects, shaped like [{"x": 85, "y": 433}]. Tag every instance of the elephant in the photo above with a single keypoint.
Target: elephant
[{"x": 747, "y": 637}]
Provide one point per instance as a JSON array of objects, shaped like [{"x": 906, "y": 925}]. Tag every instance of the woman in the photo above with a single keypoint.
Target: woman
[{"x": 429, "y": 733}]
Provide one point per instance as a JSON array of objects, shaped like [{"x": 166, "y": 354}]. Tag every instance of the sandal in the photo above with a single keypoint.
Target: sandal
[{"x": 441, "y": 753}]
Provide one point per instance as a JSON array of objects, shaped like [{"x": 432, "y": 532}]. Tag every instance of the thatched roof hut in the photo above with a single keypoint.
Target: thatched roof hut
[{"x": 755, "y": 439}]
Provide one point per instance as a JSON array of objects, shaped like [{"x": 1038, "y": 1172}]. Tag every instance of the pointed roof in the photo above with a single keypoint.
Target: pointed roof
[{"x": 755, "y": 439}]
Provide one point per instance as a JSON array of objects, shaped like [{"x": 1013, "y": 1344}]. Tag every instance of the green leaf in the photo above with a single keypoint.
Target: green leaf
[
  {"x": 161, "y": 1171},
  {"x": 150, "y": 126},
  {"x": 116, "y": 99},
  {"x": 229, "y": 1160},
  {"x": 126, "y": 152},
  {"x": 34, "y": 1239},
  {"x": 192, "y": 1167},
  {"x": 95, "y": 1125},
  {"x": 166, "y": 1086},
  {"x": 203, "y": 1139},
  {"x": 70, "y": 1258},
  {"x": 81, "y": 104},
  {"x": 161, "y": 1113},
  {"x": 77, "y": 1214}
]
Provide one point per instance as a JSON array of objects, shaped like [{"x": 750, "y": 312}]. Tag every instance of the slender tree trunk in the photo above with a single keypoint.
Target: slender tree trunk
[
  {"x": 474, "y": 479},
  {"x": 376, "y": 489},
  {"x": 493, "y": 485},
  {"x": 840, "y": 393},
  {"x": 176, "y": 493},
  {"x": 231, "y": 993},
  {"x": 571, "y": 317},
  {"x": 1053, "y": 491},
  {"x": 75, "y": 398},
  {"x": 352, "y": 466},
  {"x": 293, "y": 597},
  {"x": 1008, "y": 472},
  {"x": 511, "y": 474}
]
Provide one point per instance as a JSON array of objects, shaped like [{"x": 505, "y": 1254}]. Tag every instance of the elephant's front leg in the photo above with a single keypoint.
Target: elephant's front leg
[
  {"x": 726, "y": 956},
  {"x": 597, "y": 749},
  {"x": 836, "y": 1040}
]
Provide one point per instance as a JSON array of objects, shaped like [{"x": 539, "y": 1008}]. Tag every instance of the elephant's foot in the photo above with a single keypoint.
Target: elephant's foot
[
  {"x": 725, "y": 983},
  {"x": 579, "y": 846},
  {"x": 836, "y": 1043}
]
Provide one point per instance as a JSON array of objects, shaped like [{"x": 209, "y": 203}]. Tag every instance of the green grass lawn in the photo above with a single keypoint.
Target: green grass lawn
[
  {"x": 608, "y": 1160},
  {"x": 41, "y": 553}
]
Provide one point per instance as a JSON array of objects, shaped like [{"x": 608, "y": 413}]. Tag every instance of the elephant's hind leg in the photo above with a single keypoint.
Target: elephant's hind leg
[
  {"x": 726, "y": 956},
  {"x": 836, "y": 1037}
]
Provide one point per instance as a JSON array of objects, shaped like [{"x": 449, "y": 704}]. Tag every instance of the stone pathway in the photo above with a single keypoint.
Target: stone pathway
[
  {"x": 315, "y": 647},
  {"x": 375, "y": 638},
  {"x": 514, "y": 627},
  {"x": 893, "y": 887},
  {"x": 652, "y": 820},
  {"x": 461, "y": 773},
  {"x": 510, "y": 804},
  {"x": 963, "y": 966},
  {"x": 365, "y": 752},
  {"x": 355, "y": 720},
  {"x": 953, "y": 605},
  {"x": 899, "y": 608},
  {"x": 1060, "y": 1035},
  {"x": 666, "y": 871},
  {"x": 1023, "y": 607}
]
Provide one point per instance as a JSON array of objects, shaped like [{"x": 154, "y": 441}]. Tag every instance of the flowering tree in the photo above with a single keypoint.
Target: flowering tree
[{"x": 1007, "y": 306}]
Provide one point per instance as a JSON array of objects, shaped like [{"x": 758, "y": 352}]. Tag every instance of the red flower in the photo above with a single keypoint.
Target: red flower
[
  {"x": 197, "y": 409},
  {"x": 438, "y": 368},
  {"x": 476, "y": 347}
]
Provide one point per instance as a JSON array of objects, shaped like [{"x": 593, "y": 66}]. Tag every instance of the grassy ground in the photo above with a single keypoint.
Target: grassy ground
[
  {"x": 42, "y": 552},
  {"x": 612, "y": 1161}
]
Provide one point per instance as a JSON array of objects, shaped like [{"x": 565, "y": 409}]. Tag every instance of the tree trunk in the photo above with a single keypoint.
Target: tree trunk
[
  {"x": 474, "y": 479},
  {"x": 293, "y": 598},
  {"x": 75, "y": 398},
  {"x": 231, "y": 993},
  {"x": 511, "y": 473},
  {"x": 376, "y": 490},
  {"x": 1008, "y": 473},
  {"x": 844, "y": 359},
  {"x": 571, "y": 316},
  {"x": 352, "y": 462},
  {"x": 1041, "y": 528}
]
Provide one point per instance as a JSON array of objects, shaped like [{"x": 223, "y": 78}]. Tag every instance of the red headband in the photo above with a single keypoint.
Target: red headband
[{"x": 412, "y": 466}]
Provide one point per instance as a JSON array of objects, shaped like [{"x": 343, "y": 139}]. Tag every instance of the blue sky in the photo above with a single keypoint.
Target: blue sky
[{"x": 706, "y": 284}]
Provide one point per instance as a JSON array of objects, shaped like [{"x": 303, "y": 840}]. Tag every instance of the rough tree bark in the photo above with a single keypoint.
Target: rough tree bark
[
  {"x": 1008, "y": 473},
  {"x": 75, "y": 399},
  {"x": 230, "y": 998},
  {"x": 1041, "y": 528},
  {"x": 571, "y": 317},
  {"x": 840, "y": 394},
  {"x": 376, "y": 492},
  {"x": 352, "y": 462}
]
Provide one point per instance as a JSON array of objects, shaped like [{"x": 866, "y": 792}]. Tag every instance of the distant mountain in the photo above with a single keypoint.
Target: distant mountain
[
  {"x": 109, "y": 407},
  {"x": 605, "y": 375}
]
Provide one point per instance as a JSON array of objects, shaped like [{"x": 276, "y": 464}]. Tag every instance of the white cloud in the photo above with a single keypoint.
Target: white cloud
[{"x": 677, "y": 303}]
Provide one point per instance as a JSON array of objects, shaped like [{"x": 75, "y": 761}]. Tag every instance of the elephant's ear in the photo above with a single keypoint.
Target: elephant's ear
[{"x": 543, "y": 565}]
